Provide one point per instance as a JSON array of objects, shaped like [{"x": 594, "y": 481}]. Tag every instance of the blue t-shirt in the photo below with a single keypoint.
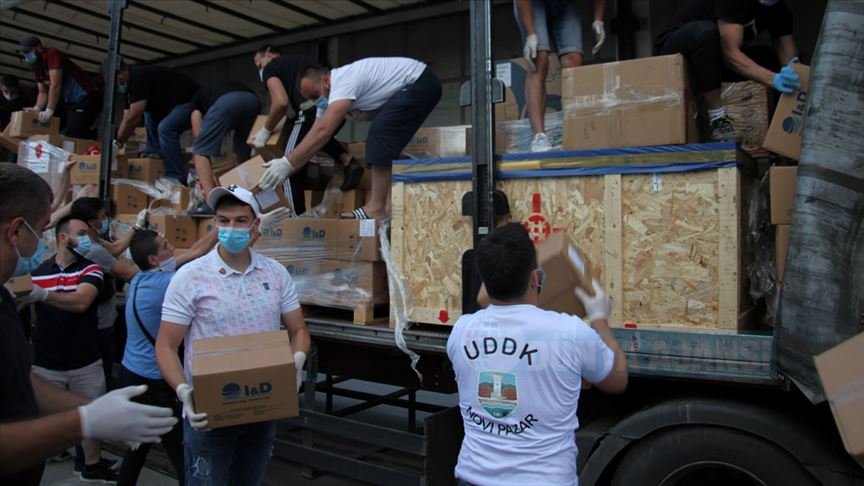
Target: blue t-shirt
[{"x": 148, "y": 288}]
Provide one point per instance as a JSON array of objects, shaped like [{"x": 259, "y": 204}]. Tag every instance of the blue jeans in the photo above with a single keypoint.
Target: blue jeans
[
  {"x": 558, "y": 20},
  {"x": 163, "y": 137},
  {"x": 228, "y": 456},
  {"x": 236, "y": 111}
]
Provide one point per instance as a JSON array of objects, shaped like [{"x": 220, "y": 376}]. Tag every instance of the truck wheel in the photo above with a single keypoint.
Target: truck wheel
[{"x": 708, "y": 456}]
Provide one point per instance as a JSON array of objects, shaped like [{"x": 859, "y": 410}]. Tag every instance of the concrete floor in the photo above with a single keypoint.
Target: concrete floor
[{"x": 281, "y": 472}]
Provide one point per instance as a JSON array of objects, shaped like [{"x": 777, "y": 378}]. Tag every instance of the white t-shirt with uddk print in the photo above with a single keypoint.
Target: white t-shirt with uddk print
[{"x": 519, "y": 370}]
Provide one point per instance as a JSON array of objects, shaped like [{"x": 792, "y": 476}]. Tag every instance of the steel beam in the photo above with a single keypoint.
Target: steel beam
[
  {"x": 360, "y": 432},
  {"x": 64, "y": 40},
  {"x": 353, "y": 468},
  {"x": 240, "y": 15},
  {"x": 177, "y": 18},
  {"x": 115, "y": 9},
  {"x": 302, "y": 11}
]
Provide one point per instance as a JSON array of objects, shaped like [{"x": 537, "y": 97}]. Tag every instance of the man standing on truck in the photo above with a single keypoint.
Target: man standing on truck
[
  {"x": 714, "y": 37},
  {"x": 519, "y": 370},
  {"x": 230, "y": 291}
]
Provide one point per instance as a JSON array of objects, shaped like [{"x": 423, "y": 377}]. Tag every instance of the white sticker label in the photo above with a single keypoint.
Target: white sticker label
[
  {"x": 656, "y": 183},
  {"x": 266, "y": 198},
  {"x": 503, "y": 71},
  {"x": 576, "y": 258},
  {"x": 367, "y": 228}
]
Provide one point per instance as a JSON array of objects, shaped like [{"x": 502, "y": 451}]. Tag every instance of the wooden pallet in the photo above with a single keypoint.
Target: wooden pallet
[{"x": 361, "y": 313}]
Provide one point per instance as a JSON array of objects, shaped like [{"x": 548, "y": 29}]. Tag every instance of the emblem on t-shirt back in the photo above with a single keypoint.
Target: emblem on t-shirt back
[{"x": 496, "y": 393}]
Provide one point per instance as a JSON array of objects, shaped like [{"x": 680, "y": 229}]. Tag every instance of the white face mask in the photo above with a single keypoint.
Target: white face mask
[{"x": 168, "y": 265}]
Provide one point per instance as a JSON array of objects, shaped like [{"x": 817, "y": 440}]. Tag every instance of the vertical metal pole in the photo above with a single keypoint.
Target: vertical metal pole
[
  {"x": 115, "y": 8},
  {"x": 309, "y": 385},
  {"x": 481, "y": 118},
  {"x": 412, "y": 410}
]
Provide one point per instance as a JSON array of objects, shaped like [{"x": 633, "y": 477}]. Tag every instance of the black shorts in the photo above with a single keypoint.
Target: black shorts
[{"x": 400, "y": 118}]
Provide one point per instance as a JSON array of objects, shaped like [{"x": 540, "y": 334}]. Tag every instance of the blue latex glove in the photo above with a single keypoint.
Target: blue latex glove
[{"x": 786, "y": 81}]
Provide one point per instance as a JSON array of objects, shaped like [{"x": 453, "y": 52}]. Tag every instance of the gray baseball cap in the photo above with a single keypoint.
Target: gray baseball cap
[{"x": 28, "y": 42}]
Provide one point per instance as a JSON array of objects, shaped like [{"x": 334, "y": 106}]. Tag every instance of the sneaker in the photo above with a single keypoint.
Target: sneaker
[
  {"x": 108, "y": 464},
  {"x": 63, "y": 456},
  {"x": 100, "y": 474},
  {"x": 722, "y": 130},
  {"x": 540, "y": 143},
  {"x": 202, "y": 210},
  {"x": 353, "y": 175}
]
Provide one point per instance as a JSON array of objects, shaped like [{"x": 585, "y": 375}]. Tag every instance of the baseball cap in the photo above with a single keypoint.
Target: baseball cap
[
  {"x": 236, "y": 191},
  {"x": 28, "y": 42}
]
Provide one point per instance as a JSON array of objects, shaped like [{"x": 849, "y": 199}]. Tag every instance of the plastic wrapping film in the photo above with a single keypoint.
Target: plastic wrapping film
[
  {"x": 746, "y": 104},
  {"x": 44, "y": 159},
  {"x": 761, "y": 270},
  {"x": 515, "y": 136}
]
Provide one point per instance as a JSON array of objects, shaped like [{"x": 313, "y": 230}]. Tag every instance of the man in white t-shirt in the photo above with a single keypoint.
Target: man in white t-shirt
[
  {"x": 230, "y": 291},
  {"x": 519, "y": 370},
  {"x": 396, "y": 93}
]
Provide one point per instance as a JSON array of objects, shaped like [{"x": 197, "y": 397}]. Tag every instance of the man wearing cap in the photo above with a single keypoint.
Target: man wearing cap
[
  {"x": 230, "y": 291},
  {"x": 56, "y": 75},
  {"x": 161, "y": 96}
]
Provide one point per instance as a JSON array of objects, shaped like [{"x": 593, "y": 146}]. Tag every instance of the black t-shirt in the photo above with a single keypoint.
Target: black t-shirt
[
  {"x": 17, "y": 401},
  {"x": 287, "y": 69},
  {"x": 64, "y": 340},
  {"x": 162, "y": 87},
  {"x": 755, "y": 17},
  {"x": 210, "y": 92}
]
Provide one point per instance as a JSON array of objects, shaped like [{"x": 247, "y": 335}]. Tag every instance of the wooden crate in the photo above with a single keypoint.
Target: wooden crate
[{"x": 665, "y": 245}]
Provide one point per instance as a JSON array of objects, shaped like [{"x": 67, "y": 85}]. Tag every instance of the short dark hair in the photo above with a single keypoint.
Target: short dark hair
[
  {"x": 312, "y": 71},
  {"x": 267, "y": 48},
  {"x": 142, "y": 246},
  {"x": 505, "y": 260},
  {"x": 10, "y": 81},
  {"x": 229, "y": 200},
  {"x": 23, "y": 194},
  {"x": 86, "y": 208},
  {"x": 63, "y": 225}
]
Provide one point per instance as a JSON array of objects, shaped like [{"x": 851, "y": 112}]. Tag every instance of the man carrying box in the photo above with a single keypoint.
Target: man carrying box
[
  {"x": 217, "y": 108},
  {"x": 57, "y": 76},
  {"x": 519, "y": 370},
  {"x": 230, "y": 291},
  {"x": 713, "y": 36},
  {"x": 397, "y": 93}
]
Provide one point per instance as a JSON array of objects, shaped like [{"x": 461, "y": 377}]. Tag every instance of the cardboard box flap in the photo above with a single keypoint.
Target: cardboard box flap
[
  {"x": 248, "y": 352},
  {"x": 840, "y": 372}
]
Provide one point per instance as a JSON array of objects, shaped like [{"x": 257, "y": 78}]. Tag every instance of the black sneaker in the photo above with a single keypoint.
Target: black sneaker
[
  {"x": 99, "y": 474},
  {"x": 203, "y": 210},
  {"x": 109, "y": 464},
  {"x": 723, "y": 131},
  {"x": 353, "y": 175}
]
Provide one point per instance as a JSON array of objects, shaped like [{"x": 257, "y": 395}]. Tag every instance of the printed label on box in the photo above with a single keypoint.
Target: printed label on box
[
  {"x": 367, "y": 228},
  {"x": 266, "y": 198},
  {"x": 503, "y": 72}
]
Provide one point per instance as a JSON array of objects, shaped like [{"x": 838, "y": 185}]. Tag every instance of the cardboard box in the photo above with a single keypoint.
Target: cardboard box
[
  {"x": 128, "y": 199},
  {"x": 180, "y": 231},
  {"x": 840, "y": 371},
  {"x": 566, "y": 268},
  {"x": 51, "y": 138},
  {"x": 302, "y": 239},
  {"x": 275, "y": 146},
  {"x": 42, "y": 158},
  {"x": 179, "y": 200},
  {"x": 781, "y": 247},
  {"x": 787, "y": 126},
  {"x": 346, "y": 283},
  {"x": 781, "y": 185},
  {"x": 627, "y": 104},
  {"x": 20, "y": 286},
  {"x": 145, "y": 170},
  {"x": 352, "y": 200},
  {"x": 513, "y": 73},
  {"x": 746, "y": 102},
  {"x": 139, "y": 136},
  {"x": 81, "y": 146},
  {"x": 23, "y": 124},
  {"x": 86, "y": 170},
  {"x": 244, "y": 379},
  {"x": 437, "y": 142},
  {"x": 246, "y": 175},
  {"x": 359, "y": 238},
  {"x": 205, "y": 226}
]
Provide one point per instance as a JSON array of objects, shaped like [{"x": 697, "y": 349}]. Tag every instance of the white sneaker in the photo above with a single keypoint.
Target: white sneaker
[{"x": 540, "y": 143}]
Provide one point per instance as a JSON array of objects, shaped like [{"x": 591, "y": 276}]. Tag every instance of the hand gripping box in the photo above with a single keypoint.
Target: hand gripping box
[{"x": 244, "y": 379}]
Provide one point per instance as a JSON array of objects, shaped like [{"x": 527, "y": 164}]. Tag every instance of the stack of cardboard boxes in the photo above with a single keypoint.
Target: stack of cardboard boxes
[{"x": 782, "y": 191}]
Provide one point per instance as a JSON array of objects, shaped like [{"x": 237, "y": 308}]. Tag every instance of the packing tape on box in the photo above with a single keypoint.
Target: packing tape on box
[{"x": 239, "y": 347}]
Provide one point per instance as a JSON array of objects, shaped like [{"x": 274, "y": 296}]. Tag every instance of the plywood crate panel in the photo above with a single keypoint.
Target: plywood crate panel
[{"x": 665, "y": 245}]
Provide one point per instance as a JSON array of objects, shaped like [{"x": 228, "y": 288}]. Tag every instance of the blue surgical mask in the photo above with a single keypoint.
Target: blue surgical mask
[
  {"x": 30, "y": 57},
  {"x": 322, "y": 102},
  {"x": 83, "y": 246},
  {"x": 234, "y": 240},
  {"x": 123, "y": 87},
  {"x": 26, "y": 265}
]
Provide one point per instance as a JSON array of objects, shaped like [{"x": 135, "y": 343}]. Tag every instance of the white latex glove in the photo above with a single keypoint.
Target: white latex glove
[
  {"x": 275, "y": 217},
  {"x": 529, "y": 52},
  {"x": 599, "y": 36},
  {"x": 45, "y": 115},
  {"x": 299, "y": 361},
  {"x": 277, "y": 171},
  {"x": 37, "y": 294},
  {"x": 597, "y": 306},
  {"x": 116, "y": 418},
  {"x": 261, "y": 137},
  {"x": 198, "y": 421},
  {"x": 141, "y": 219}
]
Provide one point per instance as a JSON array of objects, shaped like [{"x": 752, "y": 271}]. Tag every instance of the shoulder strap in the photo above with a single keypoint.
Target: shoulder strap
[{"x": 138, "y": 317}]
